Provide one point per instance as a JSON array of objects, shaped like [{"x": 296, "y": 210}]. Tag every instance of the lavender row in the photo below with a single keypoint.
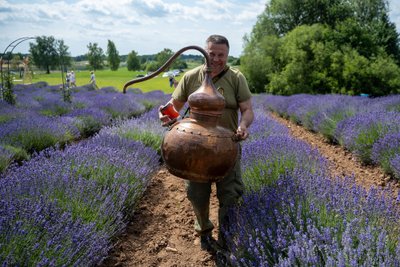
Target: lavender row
[
  {"x": 42, "y": 119},
  {"x": 294, "y": 214},
  {"x": 65, "y": 207},
  {"x": 305, "y": 219},
  {"x": 368, "y": 127}
]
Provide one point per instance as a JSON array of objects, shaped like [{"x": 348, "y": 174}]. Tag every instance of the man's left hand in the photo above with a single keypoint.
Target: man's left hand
[{"x": 241, "y": 133}]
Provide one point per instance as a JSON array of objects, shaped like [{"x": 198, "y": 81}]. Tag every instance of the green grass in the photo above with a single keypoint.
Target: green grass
[{"x": 106, "y": 78}]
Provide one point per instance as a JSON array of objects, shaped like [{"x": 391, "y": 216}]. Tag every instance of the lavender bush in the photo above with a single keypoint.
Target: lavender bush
[
  {"x": 89, "y": 121},
  {"x": 385, "y": 149},
  {"x": 36, "y": 231},
  {"x": 360, "y": 132},
  {"x": 265, "y": 159},
  {"x": 6, "y": 157},
  {"x": 263, "y": 125},
  {"x": 145, "y": 129},
  {"x": 309, "y": 220},
  {"x": 395, "y": 166},
  {"x": 36, "y": 132},
  {"x": 94, "y": 185}
]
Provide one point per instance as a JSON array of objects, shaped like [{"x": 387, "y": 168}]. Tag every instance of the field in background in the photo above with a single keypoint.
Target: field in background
[
  {"x": 116, "y": 79},
  {"x": 106, "y": 78}
]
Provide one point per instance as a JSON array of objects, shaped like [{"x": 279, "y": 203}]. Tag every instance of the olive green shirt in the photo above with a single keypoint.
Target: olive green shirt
[{"x": 232, "y": 85}]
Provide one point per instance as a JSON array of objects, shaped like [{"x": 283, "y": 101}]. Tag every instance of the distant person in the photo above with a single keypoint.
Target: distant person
[
  {"x": 72, "y": 79},
  {"x": 171, "y": 80},
  {"x": 93, "y": 80},
  {"x": 67, "y": 79}
]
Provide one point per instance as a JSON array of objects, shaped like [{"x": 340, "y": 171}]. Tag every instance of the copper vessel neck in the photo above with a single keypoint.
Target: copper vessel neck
[{"x": 206, "y": 103}]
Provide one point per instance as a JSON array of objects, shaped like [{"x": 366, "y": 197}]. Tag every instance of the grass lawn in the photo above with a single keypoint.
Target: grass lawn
[
  {"x": 117, "y": 79},
  {"x": 106, "y": 78}
]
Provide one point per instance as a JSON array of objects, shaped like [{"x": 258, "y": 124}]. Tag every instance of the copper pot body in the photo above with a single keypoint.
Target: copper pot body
[
  {"x": 196, "y": 148},
  {"x": 199, "y": 152}
]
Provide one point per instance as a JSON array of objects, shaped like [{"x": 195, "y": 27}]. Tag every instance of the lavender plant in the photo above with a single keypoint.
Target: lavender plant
[
  {"x": 308, "y": 219},
  {"x": 6, "y": 157},
  {"x": 36, "y": 232},
  {"x": 265, "y": 159},
  {"x": 70, "y": 204},
  {"x": 385, "y": 149},
  {"x": 395, "y": 166},
  {"x": 35, "y": 133},
  {"x": 89, "y": 121},
  {"x": 145, "y": 129},
  {"x": 263, "y": 125},
  {"x": 360, "y": 132}
]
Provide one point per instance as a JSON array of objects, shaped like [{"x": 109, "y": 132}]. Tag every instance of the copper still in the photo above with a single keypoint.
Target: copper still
[{"x": 196, "y": 148}]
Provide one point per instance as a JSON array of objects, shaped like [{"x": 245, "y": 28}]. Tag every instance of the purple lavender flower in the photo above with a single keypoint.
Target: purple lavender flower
[
  {"x": 146, "y": 129},
  {"x": 310, "y": 219},
  {"x": 395, "y": 165},
  {"x": 90, "y": 120},
  {"x": 34, "y": 133},
  {"x": 265, "y": 159},
  {"x": 360, "y": 132},
  {"x": 385, "y": 149}
]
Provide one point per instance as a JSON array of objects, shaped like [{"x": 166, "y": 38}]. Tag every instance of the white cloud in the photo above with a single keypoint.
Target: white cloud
[
  {"x": 394, "y": 13},
  {"x": 144, "y": 26}
]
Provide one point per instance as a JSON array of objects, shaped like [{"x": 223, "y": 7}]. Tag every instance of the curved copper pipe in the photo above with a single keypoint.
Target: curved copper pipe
[{"x": 169, "y": 61}]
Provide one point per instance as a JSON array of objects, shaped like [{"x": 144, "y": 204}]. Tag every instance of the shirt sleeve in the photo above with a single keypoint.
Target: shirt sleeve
[
  {"x": 180, "y": 92},
  {"x": 244, "y": 91}
]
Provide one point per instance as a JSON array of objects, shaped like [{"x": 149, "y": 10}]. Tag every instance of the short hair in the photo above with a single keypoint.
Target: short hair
[{"x": 217, "y": 39}]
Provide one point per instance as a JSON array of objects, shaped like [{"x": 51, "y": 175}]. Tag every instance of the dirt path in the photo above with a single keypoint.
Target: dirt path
[
  {"x": 162, "y": 235},
  {"x": 341, "y": 161}
]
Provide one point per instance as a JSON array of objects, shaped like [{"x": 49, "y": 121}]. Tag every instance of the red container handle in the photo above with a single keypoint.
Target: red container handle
[{"x": 170, "y": 111}]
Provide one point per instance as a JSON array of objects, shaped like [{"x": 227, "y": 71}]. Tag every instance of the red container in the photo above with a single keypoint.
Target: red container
[{"x": 170, "y": 111}]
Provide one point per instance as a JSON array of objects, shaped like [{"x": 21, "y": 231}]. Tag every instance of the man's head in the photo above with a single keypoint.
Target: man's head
[{"x": 217, "y": 47}]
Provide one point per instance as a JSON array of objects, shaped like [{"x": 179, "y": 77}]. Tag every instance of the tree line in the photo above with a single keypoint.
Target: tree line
[
  {"x": 323, "y": 46},
  {"x": 48, "y": 54}
]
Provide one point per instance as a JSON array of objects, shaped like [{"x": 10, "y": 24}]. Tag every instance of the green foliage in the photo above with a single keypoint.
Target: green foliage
[
  {"x": 64, "y": 57},
  {"x": 315, "y": 47},
  {"x": 48, "y": 53},
  {"x": 147, "y": 138},
  {"x": 88, "y": 126},
  {"x": 259, "y": 60},
  {"x": 163, "y": 56},
  {"x": 133, "y": 62},
  {"x": 113, "y": 56},
  {"x": 95, "y": 56},
  {"x": 7, "y": 90}
]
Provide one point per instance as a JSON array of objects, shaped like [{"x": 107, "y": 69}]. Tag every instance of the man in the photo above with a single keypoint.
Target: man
[{"x": 233, "y": 86}]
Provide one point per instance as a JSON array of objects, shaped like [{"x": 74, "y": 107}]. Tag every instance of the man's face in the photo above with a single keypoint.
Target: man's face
[{"x": 219, "y": 55}]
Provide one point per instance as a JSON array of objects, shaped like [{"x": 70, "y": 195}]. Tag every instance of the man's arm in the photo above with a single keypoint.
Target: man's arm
[{"x": 247, "y": 117}]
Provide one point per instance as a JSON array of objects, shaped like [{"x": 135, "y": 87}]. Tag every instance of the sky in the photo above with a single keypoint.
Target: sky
[{"x": 145, "y": 26}]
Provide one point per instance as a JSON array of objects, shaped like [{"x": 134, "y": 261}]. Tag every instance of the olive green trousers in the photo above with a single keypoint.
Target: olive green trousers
[{"x": 229, "y": 191}]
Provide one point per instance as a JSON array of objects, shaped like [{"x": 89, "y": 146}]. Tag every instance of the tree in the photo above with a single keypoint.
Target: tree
[
  {"x": 63, "y": 55},
  {"x": 95, "y": 56},
  {"x": 163, "y": 56},
  {"x": 112, "y": 56},
  {"x": 281, "y": 57},
  {"x": 133, "y": 61},
  {"x": 44, "y": 53}
]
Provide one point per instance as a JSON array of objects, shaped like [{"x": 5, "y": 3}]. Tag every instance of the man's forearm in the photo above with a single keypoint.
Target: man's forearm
[{"x": 246, "y": 118}]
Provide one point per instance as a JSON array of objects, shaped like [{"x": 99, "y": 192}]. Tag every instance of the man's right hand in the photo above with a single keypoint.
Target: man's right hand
[{"x": 165, "y": 119}]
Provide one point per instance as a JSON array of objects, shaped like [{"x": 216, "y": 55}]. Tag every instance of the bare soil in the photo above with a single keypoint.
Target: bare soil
[{"x": 161, "y": 233}]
